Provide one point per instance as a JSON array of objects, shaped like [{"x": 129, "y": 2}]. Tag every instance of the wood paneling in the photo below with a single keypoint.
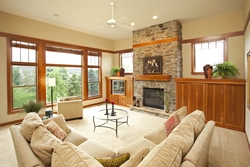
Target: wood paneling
[
  {"x": 124, "y": 100},
  {"x": 221, "y": 100}
]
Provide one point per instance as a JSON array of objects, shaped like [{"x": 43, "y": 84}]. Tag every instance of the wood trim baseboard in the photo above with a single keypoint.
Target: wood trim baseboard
[{"x": 11, "y": 122}]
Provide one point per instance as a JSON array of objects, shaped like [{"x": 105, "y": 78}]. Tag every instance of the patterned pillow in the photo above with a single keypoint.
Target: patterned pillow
[
  {"x": 171, "y": 123},
  {"x": 56, "y": 130},
  {"x": 115, "y": 161}
]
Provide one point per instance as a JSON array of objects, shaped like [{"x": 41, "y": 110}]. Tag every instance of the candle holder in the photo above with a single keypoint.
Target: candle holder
[
  {"x": 107, "y": 112},
  {"x": 113, "y": 113}
]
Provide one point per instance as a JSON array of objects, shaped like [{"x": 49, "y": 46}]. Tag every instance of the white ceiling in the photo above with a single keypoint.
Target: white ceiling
[{"x": 80, "y": 15}]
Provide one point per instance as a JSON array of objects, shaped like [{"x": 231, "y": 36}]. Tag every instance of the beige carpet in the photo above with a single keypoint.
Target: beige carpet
[{"x": 228, "y": 148}]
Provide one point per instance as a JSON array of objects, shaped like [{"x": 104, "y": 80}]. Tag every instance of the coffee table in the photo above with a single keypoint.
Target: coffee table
[{"x": 119, "y": 117}]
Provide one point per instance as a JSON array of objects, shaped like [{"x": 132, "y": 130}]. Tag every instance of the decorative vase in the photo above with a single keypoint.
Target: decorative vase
[
  {"x": 205, "y": 68},
  {"x": 122, "y": 71}
]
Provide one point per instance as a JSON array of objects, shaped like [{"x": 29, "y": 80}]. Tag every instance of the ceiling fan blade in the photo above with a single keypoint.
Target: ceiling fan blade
[
  {"x": 101, "y": 20},
  {"x": 126, "y": 27},
  {"x": 122, "y": 19},
  {"x": 99, "y": 27}
]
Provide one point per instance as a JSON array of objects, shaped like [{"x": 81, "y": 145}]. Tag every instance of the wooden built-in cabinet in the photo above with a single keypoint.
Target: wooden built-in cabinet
[
  {"x": 125, "y": 98},
  {"x": 221, "y": 100}
]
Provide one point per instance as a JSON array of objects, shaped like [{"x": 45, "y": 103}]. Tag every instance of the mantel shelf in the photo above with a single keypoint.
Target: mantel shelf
[{"x": 164, "y": 77}]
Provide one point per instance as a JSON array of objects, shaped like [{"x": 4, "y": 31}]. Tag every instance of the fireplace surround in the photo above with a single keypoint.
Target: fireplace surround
[{"x": 164, "y": 40}]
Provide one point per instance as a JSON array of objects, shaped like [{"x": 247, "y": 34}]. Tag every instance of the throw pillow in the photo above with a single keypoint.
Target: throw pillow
[
  {"x": 171, "y": 123},
  {"x": 136, "y": 158},
  {"x": 56, "y": 130},
  {"x": 29, "y": 124},
  {"x": 67, "y": 154},
  {"x": 60, "y": 121},
  {"x": 43, "y": 143},
  {"x": 114, "y": 162}
]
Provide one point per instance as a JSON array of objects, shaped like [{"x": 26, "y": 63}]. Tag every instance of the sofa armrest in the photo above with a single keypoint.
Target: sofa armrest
[
  {"x": 198, "y": 154},
  {"x": 24, "y": 154}
]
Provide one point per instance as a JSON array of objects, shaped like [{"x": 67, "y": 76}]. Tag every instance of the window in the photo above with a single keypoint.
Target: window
[
  {"x": 94, "y": 71},
  {"x": 65, "y": 67},
  {"x": 23, "y": 73},
  {"x": 77, "y": 71},
  {"x": 127, "y": 61},
  {"x": 211, "y": 52}
]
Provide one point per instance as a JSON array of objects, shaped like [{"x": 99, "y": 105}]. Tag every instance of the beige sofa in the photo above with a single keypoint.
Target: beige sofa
[
  {"x": 70, "y": 107},
  {"x": 186, "y": 146}
]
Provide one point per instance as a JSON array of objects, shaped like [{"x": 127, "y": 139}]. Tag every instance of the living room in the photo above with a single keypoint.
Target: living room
[{"x": 233, "y": 25}]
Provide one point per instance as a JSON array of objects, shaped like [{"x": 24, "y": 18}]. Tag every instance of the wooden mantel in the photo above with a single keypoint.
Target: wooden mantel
[{"x": 165, "y": 77}]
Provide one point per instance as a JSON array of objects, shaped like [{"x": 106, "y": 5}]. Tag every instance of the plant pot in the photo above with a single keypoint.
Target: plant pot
[{"x": 118, "y": 73}]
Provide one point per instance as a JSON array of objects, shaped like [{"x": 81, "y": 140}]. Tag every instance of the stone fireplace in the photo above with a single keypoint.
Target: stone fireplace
[{"x": 159, "y": 40}]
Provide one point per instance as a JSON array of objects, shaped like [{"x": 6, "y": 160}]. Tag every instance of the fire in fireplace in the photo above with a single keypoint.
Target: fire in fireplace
[{"x": 151, "y": 99}]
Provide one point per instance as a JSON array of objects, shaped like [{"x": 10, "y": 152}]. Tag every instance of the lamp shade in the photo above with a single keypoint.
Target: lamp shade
[{"x": 52, "y": 82}]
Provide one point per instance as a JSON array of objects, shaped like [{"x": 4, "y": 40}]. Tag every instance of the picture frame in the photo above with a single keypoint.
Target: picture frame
[{"x": 152, "y": 65}]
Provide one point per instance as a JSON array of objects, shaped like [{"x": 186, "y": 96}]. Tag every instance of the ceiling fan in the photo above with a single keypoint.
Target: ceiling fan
[{"x": 112, "y": 23}]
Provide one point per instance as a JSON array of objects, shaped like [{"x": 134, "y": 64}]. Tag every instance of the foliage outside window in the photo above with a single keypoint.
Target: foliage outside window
[
  {"x": 94, "y": 72},
  {"x": 212, "y": 52},
  {"x": 23, "y": 67},
  {"x": 65, "y": 66},
  {"x": 127, "y": 61}
]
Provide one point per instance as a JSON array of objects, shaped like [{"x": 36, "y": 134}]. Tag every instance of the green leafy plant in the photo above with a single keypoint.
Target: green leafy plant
[
  {"x": 166, "y": 97},
  {"x": 114, "y": 70},
  {"x": 32, "y": 106},
  {"x": 225, "y": 70}
]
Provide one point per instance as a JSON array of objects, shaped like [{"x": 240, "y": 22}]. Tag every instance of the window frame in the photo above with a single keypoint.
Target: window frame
[
  {"x": 41, "y": 68},
  {"x": 120, "y": 59},
  {"x": 204, "y": 41}
]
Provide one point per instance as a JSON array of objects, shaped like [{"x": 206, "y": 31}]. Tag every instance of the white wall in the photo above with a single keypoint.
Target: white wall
[{"x": 226, "y": 23}]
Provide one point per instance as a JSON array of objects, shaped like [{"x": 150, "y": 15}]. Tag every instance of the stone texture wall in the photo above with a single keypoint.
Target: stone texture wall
[{"x": 171, "y": 53}]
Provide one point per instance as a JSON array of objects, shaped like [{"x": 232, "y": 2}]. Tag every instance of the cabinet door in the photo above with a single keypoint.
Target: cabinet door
[
  {"x": 181, "y": 95},
  {"x": 114, "y": 98},
  {"x": 215, "y": 103},
  {"x": 234, "y": 112},
  {"x": 197, "y": 97},
  {"x": 123, "y": 100}
]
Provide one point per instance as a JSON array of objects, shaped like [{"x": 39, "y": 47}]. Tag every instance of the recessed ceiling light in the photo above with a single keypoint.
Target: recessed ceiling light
[
  {"x": 132, "y": 24},
  {"x": 56, "y": 15},
  {"x": 154, "y": 17}
]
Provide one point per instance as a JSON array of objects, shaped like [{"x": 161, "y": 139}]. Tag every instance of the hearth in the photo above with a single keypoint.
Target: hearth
[{"x": 151, "y": 99}]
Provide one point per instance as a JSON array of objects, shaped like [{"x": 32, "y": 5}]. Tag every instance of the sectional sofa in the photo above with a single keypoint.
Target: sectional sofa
[{"x": 181, "y": 141}]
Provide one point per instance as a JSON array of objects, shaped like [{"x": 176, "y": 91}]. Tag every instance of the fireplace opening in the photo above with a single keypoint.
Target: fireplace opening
[{"x": 151, "y": 99}]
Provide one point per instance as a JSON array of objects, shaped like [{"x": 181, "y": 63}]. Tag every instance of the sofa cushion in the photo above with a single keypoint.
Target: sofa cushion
[
  {"x": 60, "y": 121},
  {"x": 75, "y": 137},
  {"x": 115, "y": 161},
  {"x": 171, "y": 123},
  {"x": 56, "y": 130},
  {"x": 137, "y": 145},
  {"x": 95, "y": 149},
  {"x": 183, "y": 134},
  {"x": 42, "y": 144},
  {"x": 67, "y": 154},
  {"x": 29, "y": 124},
  {"x": 197, "y": 119},
  {"x": 168, "y": 154},
  {"x": 157, "y": 135},
  {"x": 198, "y": 154},
  {"x": 181, "y": 113},
  {"x": 135, "y": 160}
]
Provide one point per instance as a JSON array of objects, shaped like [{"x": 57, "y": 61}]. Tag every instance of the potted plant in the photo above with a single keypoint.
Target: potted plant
[
  {"x": 225, "y": 70},
  {"x": 32, "y": 106},
  {"x": 114, "y": 71},
  {"x": 166, "y": 97}
]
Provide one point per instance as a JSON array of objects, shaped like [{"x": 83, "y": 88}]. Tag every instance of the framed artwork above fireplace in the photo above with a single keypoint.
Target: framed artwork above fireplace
[{"x": 152, "y": 65}]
